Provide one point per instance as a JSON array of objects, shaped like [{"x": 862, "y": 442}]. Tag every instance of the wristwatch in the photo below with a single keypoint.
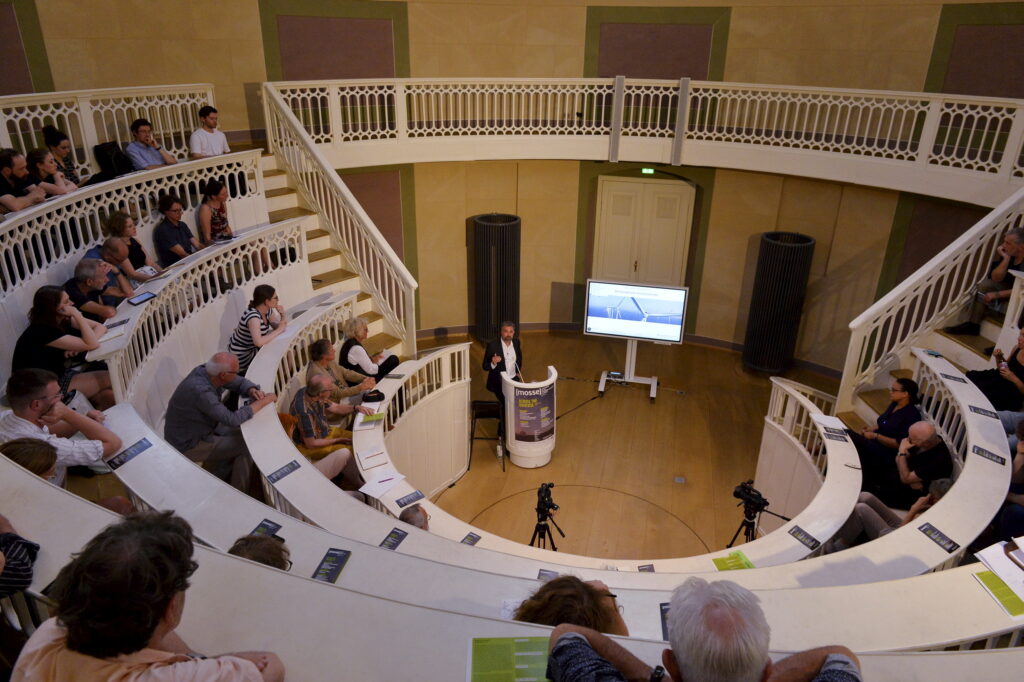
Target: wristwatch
[{"x": 657, "y": 674}]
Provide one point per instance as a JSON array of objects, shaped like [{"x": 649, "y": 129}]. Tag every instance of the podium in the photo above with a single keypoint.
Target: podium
[{"x": 529, "y": 419}]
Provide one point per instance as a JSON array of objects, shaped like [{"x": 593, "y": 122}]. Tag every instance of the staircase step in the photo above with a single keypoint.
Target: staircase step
[
  {"x": 326, "y": 279},
  {"x": 379, "y": 342},
  {"x": 315, "y": 256},
  {"x": 853, "y": 421},
  {"x": 288, "y": 213},
  {"x": 273, "y": 173},
  {"x": 877, "y": 399},
  {"x": 902, "y": 373},
  {"x": 316, "y": 234},
  {"x": 977, "y": 344},
  {"x": 279, "y": 192}
]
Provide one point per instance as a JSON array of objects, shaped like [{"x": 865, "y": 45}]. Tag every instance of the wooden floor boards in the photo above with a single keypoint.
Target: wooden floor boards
[{"x": 617, "y": 458}]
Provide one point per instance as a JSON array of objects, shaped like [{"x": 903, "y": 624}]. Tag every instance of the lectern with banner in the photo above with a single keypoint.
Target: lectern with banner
[{"x": 529, "y": 419}]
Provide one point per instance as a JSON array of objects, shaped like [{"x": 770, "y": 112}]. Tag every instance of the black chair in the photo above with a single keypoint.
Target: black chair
[{"x": 485, "y": 409}]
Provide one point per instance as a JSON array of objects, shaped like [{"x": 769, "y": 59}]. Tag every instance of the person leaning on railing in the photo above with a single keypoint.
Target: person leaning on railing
[
  {"x": 567, "y": 599},
  {"x": 138, "y": 266},
  {"x": 354, "y": 357},
  {"x": 44, "y": 171},
  {"x": 17, "y": 190},
  {"x": 994, "y": 291},
  {"x": 322, "y": 362},
  {"x": 262, "y": 322},
  {"x": 113, "y": 252},
  {"x": 57, "y": 335}
]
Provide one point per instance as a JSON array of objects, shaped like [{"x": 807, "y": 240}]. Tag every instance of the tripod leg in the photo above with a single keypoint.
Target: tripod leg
[
  {"x": 551, "y": 536},
  {"x": 734, "y": 535}
]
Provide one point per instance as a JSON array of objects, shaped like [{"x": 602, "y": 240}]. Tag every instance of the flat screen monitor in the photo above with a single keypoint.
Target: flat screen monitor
[{"x": 635, "y": 311}]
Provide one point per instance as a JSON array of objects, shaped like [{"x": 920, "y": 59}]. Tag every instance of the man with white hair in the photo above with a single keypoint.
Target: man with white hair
[
  {"x": 203, "y": 429},
  {"x": 718, "y": 633}
]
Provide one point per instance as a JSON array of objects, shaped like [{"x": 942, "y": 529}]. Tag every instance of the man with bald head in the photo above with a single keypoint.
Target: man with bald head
[
  {"x": 112, "y": 253},
  {"x": 717, "y": 631},
  {"x": 922, "y": 458},
  {"x": 203, "y": 429},
  {"x": 320, "y": 442}
]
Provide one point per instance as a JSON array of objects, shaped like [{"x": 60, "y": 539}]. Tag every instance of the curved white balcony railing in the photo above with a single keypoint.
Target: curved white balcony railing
[
  {"x": 89, "y": 117},
  {"x": 42, "y": 244}
]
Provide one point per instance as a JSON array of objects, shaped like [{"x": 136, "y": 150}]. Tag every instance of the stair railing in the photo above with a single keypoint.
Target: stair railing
[
  {"x": 926, "y": 299},
  {"x": 352, "y": 232}
]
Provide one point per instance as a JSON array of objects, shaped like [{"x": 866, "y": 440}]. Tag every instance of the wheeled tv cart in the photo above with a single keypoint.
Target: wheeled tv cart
[{"x": 630, "y": 376}]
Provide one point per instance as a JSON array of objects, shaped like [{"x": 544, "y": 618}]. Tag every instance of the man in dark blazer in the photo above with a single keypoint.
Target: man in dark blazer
[{"x": 498, "y": 350}]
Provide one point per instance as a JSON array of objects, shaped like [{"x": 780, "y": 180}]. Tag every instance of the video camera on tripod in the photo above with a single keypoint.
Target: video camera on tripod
[
  {"x": 545, "y": 505},
  {"x": 750, "y": 496}
]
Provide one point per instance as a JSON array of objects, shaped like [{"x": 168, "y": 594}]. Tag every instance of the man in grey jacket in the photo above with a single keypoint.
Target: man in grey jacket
[{"x": 203, "y": 429}]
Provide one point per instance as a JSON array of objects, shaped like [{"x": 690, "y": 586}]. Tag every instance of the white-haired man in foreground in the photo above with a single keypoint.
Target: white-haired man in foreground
[{"x": 718, "y": 633}]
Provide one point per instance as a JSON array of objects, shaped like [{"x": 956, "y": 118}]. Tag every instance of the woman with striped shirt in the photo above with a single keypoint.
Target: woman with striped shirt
[{"x": 261, "y": 323}]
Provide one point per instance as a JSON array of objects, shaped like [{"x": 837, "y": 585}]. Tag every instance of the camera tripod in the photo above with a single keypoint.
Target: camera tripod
[
  {"x": 542, "y": 533},
  {"x": 748, "y": 526}
]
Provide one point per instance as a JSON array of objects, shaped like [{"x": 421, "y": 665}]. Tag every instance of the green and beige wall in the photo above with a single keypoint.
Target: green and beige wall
[{"x": 862, "y": 233}]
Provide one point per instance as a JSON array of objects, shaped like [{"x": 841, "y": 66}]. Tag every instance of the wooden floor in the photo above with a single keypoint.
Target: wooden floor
[{"x": 633, "y": 478}]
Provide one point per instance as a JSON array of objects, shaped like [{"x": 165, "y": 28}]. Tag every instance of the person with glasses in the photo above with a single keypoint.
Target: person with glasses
[
  {"x": 120, "y": 623},
  {"x": 877, "y": 446},
  {"x": 567, "y": 599},
  {"x": 37, "y": 411},
  {"x": 204, "y": 429},
  {"x": 172, "y": 238}
]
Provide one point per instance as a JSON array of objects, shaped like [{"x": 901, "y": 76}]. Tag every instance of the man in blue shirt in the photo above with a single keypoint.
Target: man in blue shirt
[
  {"x": 113, "y": 252},
  {"x": 145, "y": 152}
]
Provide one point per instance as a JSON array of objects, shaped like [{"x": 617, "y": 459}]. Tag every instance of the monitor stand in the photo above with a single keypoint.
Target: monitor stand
[{"x": 629, "y": 375}]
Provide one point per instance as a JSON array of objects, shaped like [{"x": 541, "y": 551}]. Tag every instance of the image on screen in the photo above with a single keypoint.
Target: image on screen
[{"x": 635, "y": 311}]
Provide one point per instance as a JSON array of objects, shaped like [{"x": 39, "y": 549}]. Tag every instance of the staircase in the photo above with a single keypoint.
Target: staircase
[{"x": 327, "y": 265}]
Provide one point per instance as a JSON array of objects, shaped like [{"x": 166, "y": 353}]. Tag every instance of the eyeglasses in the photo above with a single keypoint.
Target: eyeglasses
[
  {"x": 287, "y": 564},
  {"x": 51, "y": 398}
]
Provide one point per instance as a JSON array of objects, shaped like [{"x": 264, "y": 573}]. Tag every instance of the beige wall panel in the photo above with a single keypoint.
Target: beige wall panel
[
  {"x": 846, "y": 45},
  {"x": 496, "y": 39},
  {"x": 119, "y": 43},
  {"x": 440, "y": 239},
  {"x": 810, "y": 207},
  {"x": 743, "y": 206},
  {"x": 863, "y": 222}
]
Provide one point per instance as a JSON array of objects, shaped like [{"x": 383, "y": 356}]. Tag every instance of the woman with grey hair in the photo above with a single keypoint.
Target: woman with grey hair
[{"x": 354, "y": 357}]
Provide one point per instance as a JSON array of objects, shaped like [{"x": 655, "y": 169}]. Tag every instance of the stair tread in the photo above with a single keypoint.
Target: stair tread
[
  {"x": 975, "y": 343},
  {"x": 379, "y": 342},
  {"x": 853, "y": 421},
  {"x": 363, "y": 296},
  {"x": 272, "y": 173},
  {"x": 288, "y": 213},
  {"x": 332, "y": 277},
  {"x": 877, "y": 399},
  {"x": 279, "y": 192},
  {"x": 314, "y": 256},
  {"x": 901, "y": 373},
  {"x": 316, "y": 234}
]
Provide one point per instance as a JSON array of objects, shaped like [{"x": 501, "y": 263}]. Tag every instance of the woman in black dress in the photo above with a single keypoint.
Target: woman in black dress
[
  {"x": 1003, "y": 386},
  {"x": 139, "y": 266},
  {"x": 57, "y": 336}
]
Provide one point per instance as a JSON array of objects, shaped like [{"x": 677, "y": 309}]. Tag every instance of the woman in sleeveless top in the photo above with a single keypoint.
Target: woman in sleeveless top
[
  {"x": 354, "y": 357},
  {"x": 60, "y": 146},
  {"x": 43, "y": 169},
  {"x": 139, "y": 266},
  {"x": 212, "y": 216},
  {"x": 261, "y": 323}
]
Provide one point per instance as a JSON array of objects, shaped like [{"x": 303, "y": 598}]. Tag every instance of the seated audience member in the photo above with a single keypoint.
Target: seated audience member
[
  {"x": 207, "y": 140},
  {"x": 38, "y": 413},
  {"x": 717, "y": 632},
  {"x": 172, "y": 238},
  {"x": 17, "y": 557},
  {"x": 322, "y": 363},
  {"x": 145, "y": 152},
  {"x": 43, "y": 170},
  {"x": 876, "y": 447},
  {"x": 138, "y": 266},
  {"x": 871, "y": 519},
  {"x": 567, "y": 599},
  {"x": 265, "y": 549},
  {"x": 262, "y": 322},
  {"x": 203, "y": 429},
  {"x": 354, "y": 357},
  {"x": 113, "y": 252},
  {"x": 60, "y": 146},
  {"x": 993, "y": 292},
  {"x": 415, "y": 515},
  {"x": 320, "y": 442},
  {"x": 58, "y": 333},
  {"x": 922, "y": 458},
  {"x": 212, "y": 215},
  {"x": 118, "y": 623},
  {"x": 17, "y": 191},
  {"x": 1003, "y": 386},
  {"x": 87, "y": 287},
  {"x": 1009, "y": 521}
]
